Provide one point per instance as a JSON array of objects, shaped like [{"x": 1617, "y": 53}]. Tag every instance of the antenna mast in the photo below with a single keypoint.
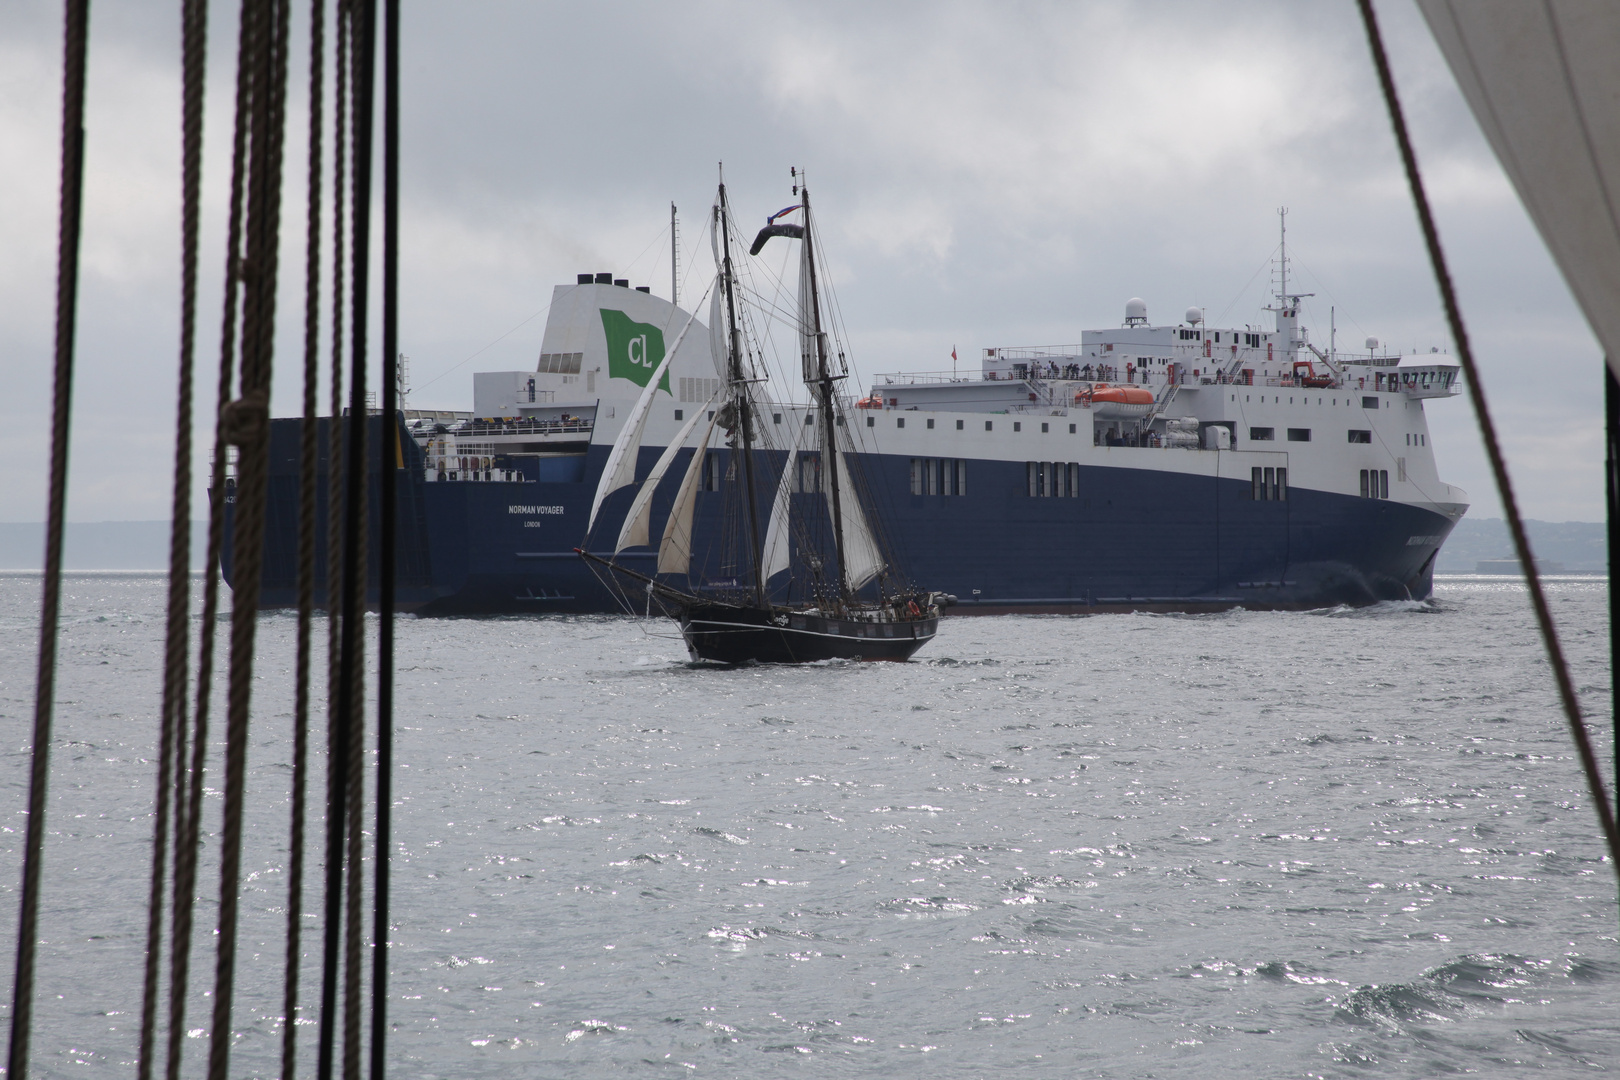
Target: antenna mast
[{"x": 674, "y": 257}]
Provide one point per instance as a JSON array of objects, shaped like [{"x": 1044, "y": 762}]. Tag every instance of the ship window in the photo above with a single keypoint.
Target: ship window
[
  {"x": 776, "y": 418},
  {"x": 1360, "y": 436},
  {"x": 1262, "y": 434},
  {"x": 679, "y": 414},
  {"x": 1369, "y": 403},
  {"x": 839, "y": 421},
  {"x": 959, "y": 425},
  {"x": 987, "y": 424},
  {"x": 1018, "y": 426},
  {"x": 871, "y": 421},
  {"x": 930, "y": 423},
  {"x": 1383, "y": 483},
  {"x": 1060, "y": 476},
  {"x": 1299, "y": 434},
  {"x": 1032, "y": 474},
  {"x": 1364, "y": 492},
  {"x": 1071, "y": 429},
  {"x": 1258, "y": 490},
  {"x": 1423, "y": 440},
  {"x": 961, "y": 476},
  {"x": 809, "y": 418},
  {"x": 1280, "y": 490},
  {"x": 899, "y": 421}
]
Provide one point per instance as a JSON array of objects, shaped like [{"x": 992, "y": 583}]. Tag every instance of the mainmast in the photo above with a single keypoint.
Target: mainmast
[
  {"x": 741, "y": 401},
  {"x": 674, "y": 257},
  {"x": 824, "y": 393}
]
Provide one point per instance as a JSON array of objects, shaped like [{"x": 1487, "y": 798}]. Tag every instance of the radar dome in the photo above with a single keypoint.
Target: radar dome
[
  {"x": 1372, "y": 343},
  {"x": 1195, "y": 316},
  {"x": 1135, "y": 311}
]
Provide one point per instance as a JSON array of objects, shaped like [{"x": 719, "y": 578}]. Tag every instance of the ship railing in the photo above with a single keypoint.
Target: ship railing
[
  {"x": 501, "y": 426},
  {"x": 913, "y": 378}
]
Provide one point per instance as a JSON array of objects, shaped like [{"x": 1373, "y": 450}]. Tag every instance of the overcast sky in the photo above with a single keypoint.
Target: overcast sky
[{"x": 986, "y": 174}]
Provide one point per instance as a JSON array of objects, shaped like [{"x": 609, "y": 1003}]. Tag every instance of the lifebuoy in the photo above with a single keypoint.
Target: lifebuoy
[{"x": 913, "y": 610}]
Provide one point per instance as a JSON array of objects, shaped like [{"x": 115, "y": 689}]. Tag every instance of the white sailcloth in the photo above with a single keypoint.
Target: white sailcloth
[
  {"x": 634, "y": 532},
  {"x": 863, "y": 561},
  {"x": 1542, "y": 81},
  {"x": 675, "y": 549},
  {"x": 778, "y": 551},
  {"x": 620, "y": 469},
  {"x": 807, "y": 332},
  {"x": 717, "y": 337}
]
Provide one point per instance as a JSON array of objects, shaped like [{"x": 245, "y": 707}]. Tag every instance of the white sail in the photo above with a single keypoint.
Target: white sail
[
  {"x": 620, "y": 469},
  {"x": 863, "y": 560},
  {"x": 1542, "y": 81},
  {"x": 778, "y": 551},
  {"x": 807, "y": 331},
  {"x": 717, "y": 337},
  {"x": 675, "y": 549},
  {"x": 634, "y": 532}
]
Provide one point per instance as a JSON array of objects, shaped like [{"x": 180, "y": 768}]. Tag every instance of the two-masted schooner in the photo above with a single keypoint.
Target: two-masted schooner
[{"x": 800, "y": 571}]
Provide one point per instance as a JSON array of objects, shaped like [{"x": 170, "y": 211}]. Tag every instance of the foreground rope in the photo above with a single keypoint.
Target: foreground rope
[
  {"x": 307, "y": 451},
  {"x": 1487, "y": 430},
  {"x": 172, "y": 724},
  {"x": 75, "y": 46}
]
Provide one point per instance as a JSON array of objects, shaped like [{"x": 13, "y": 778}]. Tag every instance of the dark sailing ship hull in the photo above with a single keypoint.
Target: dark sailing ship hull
[{"x": 735, "y": 635}]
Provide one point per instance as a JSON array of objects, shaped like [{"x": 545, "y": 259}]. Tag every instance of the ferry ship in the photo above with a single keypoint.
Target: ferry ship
[{"x": 1163, "y": 467}]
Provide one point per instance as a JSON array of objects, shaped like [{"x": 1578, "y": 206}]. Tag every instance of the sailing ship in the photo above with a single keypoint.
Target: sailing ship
[{"x": 815, "y": 581}]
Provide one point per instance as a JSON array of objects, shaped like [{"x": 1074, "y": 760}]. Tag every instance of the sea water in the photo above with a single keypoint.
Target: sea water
[{"x": 1335, "y": 843}]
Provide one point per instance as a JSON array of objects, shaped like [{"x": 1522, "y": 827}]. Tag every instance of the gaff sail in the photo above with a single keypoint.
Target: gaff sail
[
  {"x": 863, "y": 559},
  {"x": 620, "y": 469},
  {"x": 634, "y": 532},
  {"x": 778, "y": 552},
  {"x": 675, "y": 549}
]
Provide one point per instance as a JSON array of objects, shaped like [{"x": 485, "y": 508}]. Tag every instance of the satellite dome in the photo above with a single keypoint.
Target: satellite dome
[
  {"x": 1372, "y": 343},
  {"x": 1135, "y": 311},
  {"x": 1194, "y": 315}
]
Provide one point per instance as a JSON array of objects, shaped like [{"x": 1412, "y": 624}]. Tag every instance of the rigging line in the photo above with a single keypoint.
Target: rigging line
[
  {"x": 1240, "y": 293},
  {"x": 75, "y": 46},
  {"x": 188, "y": 811},
  {"x": 177, "y": 643},
  {"x": 422, "y": 386},
  {"x": 246, "y": 423},
  {"x": 335, "y": 589},
  {"x": 387, "y": 465},
  {"x": 308, "y": 450},
  {"x": 1611, "y": 476},
  {"x": 1493, "y": 449},
  {"x": 357, "y": 547}
]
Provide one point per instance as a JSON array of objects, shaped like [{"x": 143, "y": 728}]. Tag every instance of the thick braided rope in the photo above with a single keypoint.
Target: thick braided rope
[
  {"x": 251, "y": 433},
  {"x": 171, "y": 744},
  {"x": 306, "y": 550},
  {"x": 75, "y": 45},
  {"x": 1493, "y": 448}
]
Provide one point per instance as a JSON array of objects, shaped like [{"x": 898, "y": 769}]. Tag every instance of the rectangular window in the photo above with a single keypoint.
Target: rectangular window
[
  {"x": 809, "y": 418},
  {"x": 1044, "y": 429},
  {"x": 916, "y": 476},
  {"x": 1018, "y": 425},
  {"x": 959, "y": 425},
  {"x": 930, "y": 423},
  {"x": 1033, "y": 471},
  {"x": 1060, "y": 480},
  {"x": 933, "y": 477},
  {"x": 1262, "y": 434},
  {"x": 1074, "y": 480},
  {"x": 1071, "y": 429},
  {"x": 680, "y": 414},
  {"x": 1360, "y": 436},
  {"x": 1369, "y": 403},
  {"x": 1299, "y": 434},
  {"x": 1280, "y": 492},
  {"x": 1268, "y": 484},
  {"x": 1364, "y": 492},
  {"x": 961, "y": 476},
  {"x": 1383, "y": 483},
  {"x": 1258, "y": 490},
  {"x": 988, "y": 424},
  {"x": 871, "y": 421},
  {"x": 776, "y": 418},
  {"x": 899, "y": 421},
  {"x": 947, "y": 477}
]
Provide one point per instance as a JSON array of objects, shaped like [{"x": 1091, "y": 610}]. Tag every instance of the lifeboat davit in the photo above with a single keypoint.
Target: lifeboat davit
[{"x": 1115, "y": 402}]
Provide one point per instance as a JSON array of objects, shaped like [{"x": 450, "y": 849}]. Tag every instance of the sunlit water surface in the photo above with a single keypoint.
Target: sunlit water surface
[{"x": 1338, "y": 843}]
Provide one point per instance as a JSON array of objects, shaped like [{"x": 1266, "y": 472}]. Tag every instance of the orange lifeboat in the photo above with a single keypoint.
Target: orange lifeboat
[
  {"x": 1115, "y": 402},
  {"x": 873, "y": 402}
]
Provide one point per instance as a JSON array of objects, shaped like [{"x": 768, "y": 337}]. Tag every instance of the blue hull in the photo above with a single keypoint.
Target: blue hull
[{"x": 1136, "y": 540}]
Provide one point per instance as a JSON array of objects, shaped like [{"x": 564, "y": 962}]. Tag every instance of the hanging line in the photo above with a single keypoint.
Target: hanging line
[
  {"x": 172, "y": 724},
  {"x": 75, "y": 44},
  {"x": 307, "y": 453},
  {"x": 388, "y": 466},
  {"x": 1487, "y": 430},
  {"x": 1611, "y": 475},
  {"x": 336, "y": 548}
]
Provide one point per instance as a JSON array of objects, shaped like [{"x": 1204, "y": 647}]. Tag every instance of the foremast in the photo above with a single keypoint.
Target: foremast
[
  {"x": 824, "y": 388},
  {"x": 741, "y": 401}
]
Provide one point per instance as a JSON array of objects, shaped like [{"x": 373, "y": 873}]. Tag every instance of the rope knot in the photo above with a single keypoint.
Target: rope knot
[{"x": 245, "y": 421}]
